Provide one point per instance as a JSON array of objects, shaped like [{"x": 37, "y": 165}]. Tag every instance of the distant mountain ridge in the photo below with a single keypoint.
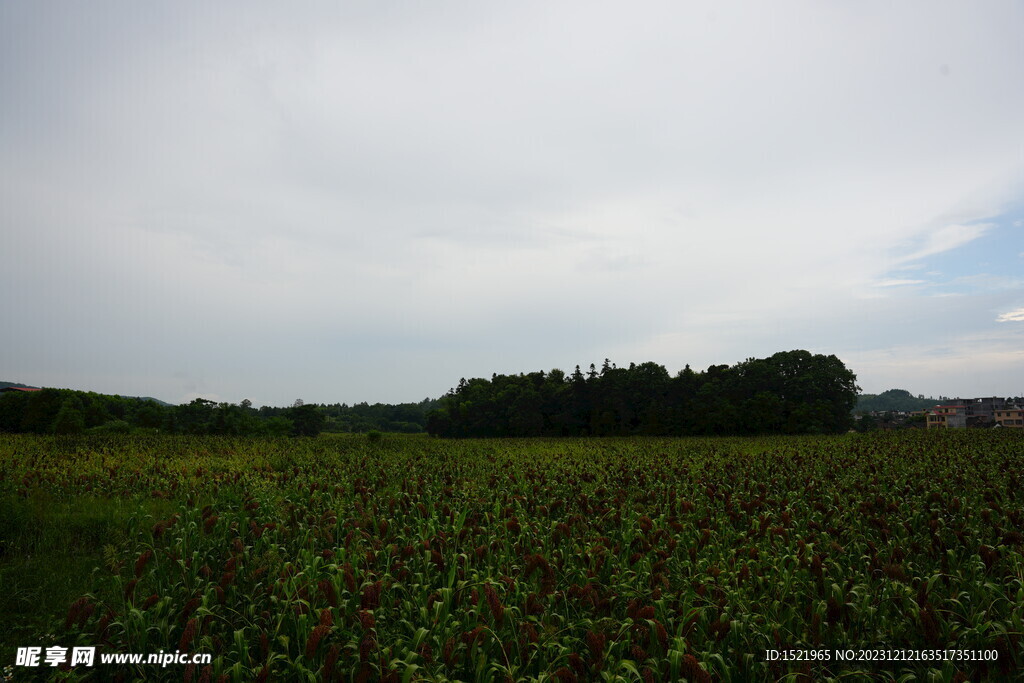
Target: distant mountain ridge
[{"x": 4, "y": 385}]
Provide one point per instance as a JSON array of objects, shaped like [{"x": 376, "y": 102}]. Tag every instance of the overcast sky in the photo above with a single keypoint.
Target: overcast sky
[{"x": 358, "y": 201}]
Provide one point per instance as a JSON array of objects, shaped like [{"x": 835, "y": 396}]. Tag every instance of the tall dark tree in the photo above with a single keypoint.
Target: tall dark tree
[
  {"x": 306, "y": 419},
  {"x": 69, "y": 419}
]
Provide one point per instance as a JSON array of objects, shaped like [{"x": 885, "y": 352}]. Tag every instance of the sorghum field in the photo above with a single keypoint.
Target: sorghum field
[{"x": 410, "y": 558}]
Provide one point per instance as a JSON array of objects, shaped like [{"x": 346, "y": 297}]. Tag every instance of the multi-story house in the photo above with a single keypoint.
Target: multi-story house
[
  {"x": 948, "y": 417},
  {"x": 1010, "y": 416},
  {"x": 983, "y": 408}
]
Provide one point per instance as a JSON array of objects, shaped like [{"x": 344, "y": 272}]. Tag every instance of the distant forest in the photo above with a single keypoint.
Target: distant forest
[
  {"x": 791, "y": 392},
  {"x": 65, "y": 411}
]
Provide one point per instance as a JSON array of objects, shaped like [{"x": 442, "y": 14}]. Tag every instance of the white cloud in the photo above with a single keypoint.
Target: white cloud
[
  {"x": 947, "y": 238},
  {"x": 899, "y": 283},
  {"x": 1012, "y": 316}
]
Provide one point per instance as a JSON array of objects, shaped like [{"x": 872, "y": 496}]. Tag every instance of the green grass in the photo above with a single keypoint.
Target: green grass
[{"x": 52, "y": 552}]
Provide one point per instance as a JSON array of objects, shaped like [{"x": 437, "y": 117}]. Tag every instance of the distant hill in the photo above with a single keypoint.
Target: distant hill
[
  {"x": 893, "y": 400},
  {"x": 148, "y": 398},
  {"x": 4, "y": 385}
]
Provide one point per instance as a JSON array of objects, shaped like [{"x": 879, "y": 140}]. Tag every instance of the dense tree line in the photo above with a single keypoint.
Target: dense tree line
[
  {"x": 409, "y": 418},
  {"x": 791, "y": 392},
  {"x": 65, "y": 411}
]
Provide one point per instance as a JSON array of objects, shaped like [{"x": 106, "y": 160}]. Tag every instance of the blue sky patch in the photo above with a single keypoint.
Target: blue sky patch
[{"x": 992, "y": 262}]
